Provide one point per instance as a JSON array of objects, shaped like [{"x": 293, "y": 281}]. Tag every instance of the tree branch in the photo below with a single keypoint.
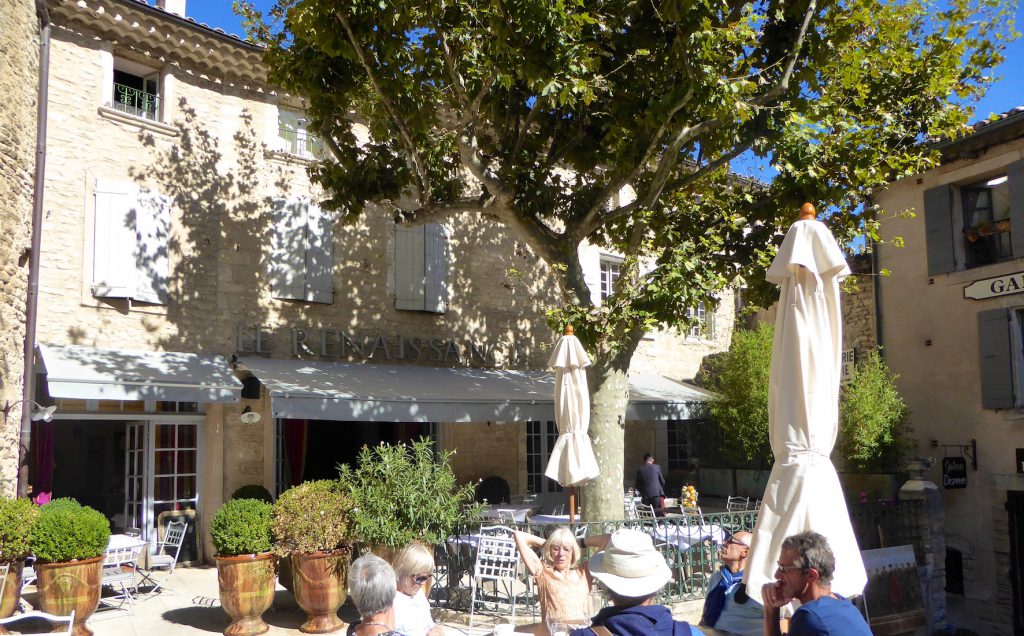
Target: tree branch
[
  {"x": 794, "y": 55},
  {"x": 440, "y": 211},
  {"x": 422, "y": 180},
  {"x": 473, "y": 108}
]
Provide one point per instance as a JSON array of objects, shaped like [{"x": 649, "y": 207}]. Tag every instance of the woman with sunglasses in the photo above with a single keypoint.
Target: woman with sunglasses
[{"x": 414, "y": 566}]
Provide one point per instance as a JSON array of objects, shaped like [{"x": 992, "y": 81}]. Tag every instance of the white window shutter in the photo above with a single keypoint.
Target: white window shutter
[
  {"x": 114, "y": 240},
  {"x": 319, "y": 256},
  {"x": 435, "y": 263},
  {"x": 409, "y": 270},
  {"x": 288, "y": 250},
  {"x": 152, "y": 228}
]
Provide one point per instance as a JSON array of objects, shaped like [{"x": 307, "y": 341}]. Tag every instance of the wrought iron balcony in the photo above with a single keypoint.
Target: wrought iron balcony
[{"x": 136, "y": 102}]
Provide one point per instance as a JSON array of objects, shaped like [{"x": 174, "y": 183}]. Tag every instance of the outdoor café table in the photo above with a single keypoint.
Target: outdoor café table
[
  {"x": 121, "y": 542},
  {"x": 519, "y": 512},
  {"x": 684, "y": 536}
]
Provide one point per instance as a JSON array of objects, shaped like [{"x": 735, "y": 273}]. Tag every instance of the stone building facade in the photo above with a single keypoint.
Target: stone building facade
[
  {"x": 951, "y": 316},
  {"x": 182, "y": 234},
  {"x": 19, "y": 81}
]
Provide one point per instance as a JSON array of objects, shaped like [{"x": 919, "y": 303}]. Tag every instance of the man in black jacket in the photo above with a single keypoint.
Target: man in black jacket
[{"x": 650, "y": 483}]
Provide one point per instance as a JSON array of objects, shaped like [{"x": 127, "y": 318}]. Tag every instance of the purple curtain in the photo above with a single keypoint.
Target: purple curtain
[
  {"x": 295, "y": 438},
  {"x": 42, "y": 456}
]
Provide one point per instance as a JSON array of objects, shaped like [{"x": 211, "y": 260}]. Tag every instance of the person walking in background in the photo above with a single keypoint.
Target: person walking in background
[
  {"x": 650, "y": 483},
  {"x": 727, "y": 607},
  {"x": 805, "y": 573}
]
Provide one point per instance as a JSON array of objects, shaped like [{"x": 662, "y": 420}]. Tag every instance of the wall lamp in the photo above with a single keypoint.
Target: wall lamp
[
  {"x": 40, "y": 413},
  {"x": 249, "y": 416}
]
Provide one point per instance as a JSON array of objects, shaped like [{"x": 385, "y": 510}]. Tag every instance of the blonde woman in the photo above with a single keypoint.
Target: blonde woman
[
  {"x": 414, "y": 566},
  {"x": 563, "y": 583}
]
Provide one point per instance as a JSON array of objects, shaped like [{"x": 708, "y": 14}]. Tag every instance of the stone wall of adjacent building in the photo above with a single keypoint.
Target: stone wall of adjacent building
[
  {"x": 19, "y": 75},
  {"x": 858, "y": 300}
]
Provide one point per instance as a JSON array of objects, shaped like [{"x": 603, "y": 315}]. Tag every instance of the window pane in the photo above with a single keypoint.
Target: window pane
[
  {"x": 186, "y": 462},
  {"x": 163, "y": 488},
  {"x": 186, "y": 488},
  {"x": 186, "y": 436},
  {"x": 165, "y": 436},
  {"x": 164, "y": 463}
]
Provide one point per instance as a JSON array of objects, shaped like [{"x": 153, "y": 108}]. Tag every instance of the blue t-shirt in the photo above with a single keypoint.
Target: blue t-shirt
[
  {"x": 639, "y": 620},
  {"x": 828, "y": 616}
]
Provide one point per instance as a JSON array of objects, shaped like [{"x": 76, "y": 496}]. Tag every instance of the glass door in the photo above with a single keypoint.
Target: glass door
[{"x": 135, "y": 488}]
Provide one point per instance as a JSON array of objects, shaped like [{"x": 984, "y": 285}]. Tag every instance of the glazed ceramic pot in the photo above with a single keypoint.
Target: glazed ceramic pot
[
  {"x": 318, "y": 583},
  {"x": 246, "y": 591},
  {"x": 64, "y": 587}
]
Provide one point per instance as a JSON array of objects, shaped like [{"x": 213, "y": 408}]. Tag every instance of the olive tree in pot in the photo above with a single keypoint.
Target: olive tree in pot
[
  {"x": 402, "y": 494},
  {"x": 68, "y": 540},
  {"x": 17, "y": 517},
  {"x": 311, "y": 524},
  {"x": 240, "y": 531}
]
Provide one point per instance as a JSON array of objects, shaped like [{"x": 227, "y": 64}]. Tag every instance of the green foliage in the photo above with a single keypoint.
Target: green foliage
[
  {"x": 872, "y": 417},
  {"x": 253, "y": 491},
  {"x": 315, "y": 516},
  {"x": 740, "y": 378},
  {"x": 405, "y": 493},
  {"x": 68, "y": 531},
  {"x": 241, "y": 526},
  {"x": 17, "y": 516}
]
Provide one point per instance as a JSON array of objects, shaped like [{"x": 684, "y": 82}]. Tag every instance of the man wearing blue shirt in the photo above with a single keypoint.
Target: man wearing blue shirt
[{"x": 805, "y": 574}]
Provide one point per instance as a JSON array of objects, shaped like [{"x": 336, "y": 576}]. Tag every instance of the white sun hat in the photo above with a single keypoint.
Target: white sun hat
[{"x": 629, "y": 565}]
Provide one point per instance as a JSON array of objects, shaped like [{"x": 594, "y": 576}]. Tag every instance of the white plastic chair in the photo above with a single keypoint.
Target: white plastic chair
[
  {"x": 496, "y": 566},
  {"x": 165, "y": 557},
  {"x": 53, "y": 618}
]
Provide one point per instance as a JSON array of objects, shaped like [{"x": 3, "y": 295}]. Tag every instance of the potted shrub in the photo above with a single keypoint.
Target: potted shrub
[
  {"x": 312, "y": 530},
  {"x": 240, "y": 531},
  {"x": 253, "y": 491},
  {"x": 68, "y": 540},
  {"x": 17, "y": 516},
  {"x": 405, "y": 493}
]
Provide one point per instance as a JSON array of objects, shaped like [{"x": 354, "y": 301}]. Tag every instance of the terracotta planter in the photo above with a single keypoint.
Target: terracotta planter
[
  {"x": 70, "y": 586},
  {"x": 246, "y": 591},
  {"x": 318, "y": 581},
  {"x": 12, "y": 592}
]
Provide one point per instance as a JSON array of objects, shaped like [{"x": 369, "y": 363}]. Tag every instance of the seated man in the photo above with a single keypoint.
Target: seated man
[
  {"x": 632, "y": 572},
  {"x": 805, "y": 574},
  {"x": 727, "y": 607}
]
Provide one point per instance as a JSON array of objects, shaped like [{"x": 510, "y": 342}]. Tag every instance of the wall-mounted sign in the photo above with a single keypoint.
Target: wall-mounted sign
[
  {"x": 954, "y": 472},
  {"x": 1020, "y": 460},
  {"x": 993, "y": 287},
  {"x": 847, "y": 375}
]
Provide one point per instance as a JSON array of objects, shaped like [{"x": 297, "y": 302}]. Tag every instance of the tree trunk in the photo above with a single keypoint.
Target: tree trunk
[{"x": 609, "y": 394}]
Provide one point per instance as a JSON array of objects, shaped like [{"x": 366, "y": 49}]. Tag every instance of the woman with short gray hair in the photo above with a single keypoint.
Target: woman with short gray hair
[{"x": 372, "y": 587}]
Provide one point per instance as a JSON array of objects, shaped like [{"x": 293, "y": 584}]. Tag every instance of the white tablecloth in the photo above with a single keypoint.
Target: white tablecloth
[
  {"x": 540, "y": 520},
  {"x": 686, "y": 536},
  {"x": 118, "y": 541},
  {"x": 519, "y": 512}
]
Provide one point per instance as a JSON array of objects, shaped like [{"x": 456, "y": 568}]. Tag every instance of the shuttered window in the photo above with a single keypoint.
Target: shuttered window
[
  {"x": 421, "y": 268},
  {"x": 996, "y": 358},
  {"x": 130, "y": 243},
  {"x": 302, "y": 252}
]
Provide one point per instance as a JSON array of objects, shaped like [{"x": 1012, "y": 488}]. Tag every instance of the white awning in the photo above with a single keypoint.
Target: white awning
[
  {"x": 403, "y": 393},
  {"x": 88, "y": 373}
]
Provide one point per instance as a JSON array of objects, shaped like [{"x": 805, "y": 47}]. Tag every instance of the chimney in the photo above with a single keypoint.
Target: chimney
[{"x": 177, "y": 7}]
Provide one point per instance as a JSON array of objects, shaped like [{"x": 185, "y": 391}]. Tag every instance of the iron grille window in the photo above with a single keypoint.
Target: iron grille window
[{"x": 135, "y": 95}]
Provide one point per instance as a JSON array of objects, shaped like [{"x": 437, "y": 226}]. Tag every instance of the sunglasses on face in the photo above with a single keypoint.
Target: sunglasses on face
[
  {"x": 422, "y": 578},
  {"x": 789, "y": 568},
  {"x": 735, "y": 542}
]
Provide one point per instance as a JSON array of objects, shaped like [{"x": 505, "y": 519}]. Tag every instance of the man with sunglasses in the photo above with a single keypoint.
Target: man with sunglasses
[
  {"x": 804, "y": 574},
  {"x": 727, "y": 607}
]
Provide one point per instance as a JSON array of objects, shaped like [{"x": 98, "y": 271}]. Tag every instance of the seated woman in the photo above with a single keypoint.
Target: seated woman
[
  {"x": 371, "y": 586},
  {"x": 563, "y": 583},
  {"x": 414, "y": 566}
]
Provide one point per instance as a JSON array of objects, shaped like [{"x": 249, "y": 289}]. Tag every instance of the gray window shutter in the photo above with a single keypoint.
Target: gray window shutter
[
  {"x": 435, "y": 262},
  {"x": 114, "y": 240},
  {"x": 938, "y": 225},
  {"x": 409, "y": 270},
  {"x": 996, "y": 365},
  {"x": 152, "y": 229},
  {"x": 1015, "y": 178},
  {"x": 288, "y": 250},
  {"x": 319, "y": 256}
]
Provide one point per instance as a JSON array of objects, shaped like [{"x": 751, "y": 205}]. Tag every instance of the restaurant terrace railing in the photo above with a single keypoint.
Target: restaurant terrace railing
[
  {"x": 690, "y": 545},
  {"x": 888, "y": 523}
]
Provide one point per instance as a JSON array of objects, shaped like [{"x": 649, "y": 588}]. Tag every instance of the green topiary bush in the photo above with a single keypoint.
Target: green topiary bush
[
  {"x": 253, "y": 491},
  {"x": 315, "y": 516},
  {"x": 68, "y": 531},
  {"x": 241, "y": 526},
  {"x": 17, "y": 516}
]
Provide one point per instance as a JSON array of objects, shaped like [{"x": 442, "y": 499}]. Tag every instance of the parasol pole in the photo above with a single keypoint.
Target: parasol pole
[{"x": 569, "y": 331}]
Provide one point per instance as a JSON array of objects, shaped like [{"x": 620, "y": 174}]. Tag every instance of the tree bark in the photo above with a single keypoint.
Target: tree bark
[{"x": 609, "y": 396}]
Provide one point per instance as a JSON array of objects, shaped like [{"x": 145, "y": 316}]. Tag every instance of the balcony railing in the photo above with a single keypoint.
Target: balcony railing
[
  {"x": 302, "y": 143},
  {"x": 136, "y": 102}
]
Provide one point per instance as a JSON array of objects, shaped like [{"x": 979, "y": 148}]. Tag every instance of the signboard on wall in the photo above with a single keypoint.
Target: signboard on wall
[
  {"x": 954, "y": 472},
  {"x": 847, "y": 374},
  {"x": 993, "y": 287}
]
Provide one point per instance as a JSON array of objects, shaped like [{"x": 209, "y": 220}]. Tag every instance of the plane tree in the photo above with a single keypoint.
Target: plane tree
[{"x": 540, "y": 114}]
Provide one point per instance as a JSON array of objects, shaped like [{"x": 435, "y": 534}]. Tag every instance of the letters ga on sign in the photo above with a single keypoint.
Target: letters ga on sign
[{"x": 998, "y": 286}]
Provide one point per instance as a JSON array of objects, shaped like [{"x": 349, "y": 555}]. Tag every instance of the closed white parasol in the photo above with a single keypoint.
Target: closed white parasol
[
  {"x": 803, "y": 491},
  {"x": 572, "y": 459}
]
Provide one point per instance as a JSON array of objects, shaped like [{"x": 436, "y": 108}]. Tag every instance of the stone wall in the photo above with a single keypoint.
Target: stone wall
[
  {"x": 19, "y": 79},
  {"x": 858, "y": 300}
]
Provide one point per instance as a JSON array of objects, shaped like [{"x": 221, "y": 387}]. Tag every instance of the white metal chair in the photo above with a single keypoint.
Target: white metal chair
[
  {"x": 558, "y": 509},
  {"x": 736, "y": 504},
  {"x": 497, "y": 566},
  {"x": 119, "y": 567},
  {"x": 507, "y": 515},
  {"x": 629, "y": 507},
  {"x": 165, "y": 557},
  {"x": 645, "y": 511},
  {"x": 53, "y": 618}
]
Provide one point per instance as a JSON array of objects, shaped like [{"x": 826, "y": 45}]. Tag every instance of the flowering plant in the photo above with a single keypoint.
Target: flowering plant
[{"x": 688, "y": 497}]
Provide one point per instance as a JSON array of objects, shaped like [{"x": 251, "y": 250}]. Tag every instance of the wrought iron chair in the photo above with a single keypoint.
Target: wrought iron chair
[
  {"x": 119, "y": 567},
  {"x": 558, "y": 509},
  {"x": 53, "y": 618},
  {"x": 165, "y": 557},
  {"x": 629, "y": 507},
  {"x": 507, "y": 516},
  {"x": 496, "y": 567},
  {"x": 735, "y": 504}
]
